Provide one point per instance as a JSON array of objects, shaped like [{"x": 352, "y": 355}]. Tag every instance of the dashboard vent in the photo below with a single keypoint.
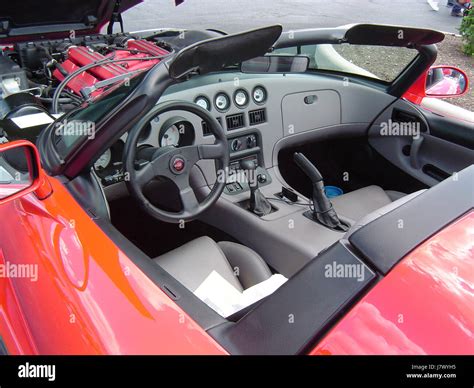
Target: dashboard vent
[
  {"x": 205, "y": 128},
  {"x": 235, "y": 121},
  {"x": 257, "y": 116}
]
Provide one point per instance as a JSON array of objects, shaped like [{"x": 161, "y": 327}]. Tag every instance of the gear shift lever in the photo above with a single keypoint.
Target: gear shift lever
[
  {"x": 258, "y": 203},
  {"x": 323, "y": 212}
]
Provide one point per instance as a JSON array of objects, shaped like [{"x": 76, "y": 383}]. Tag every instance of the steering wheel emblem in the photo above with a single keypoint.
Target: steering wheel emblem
[{"x": 178, "y": 164}]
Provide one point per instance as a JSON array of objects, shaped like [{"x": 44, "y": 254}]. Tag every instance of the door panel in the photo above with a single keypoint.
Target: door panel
[
  {"x": 427, "y": 146},
  {"x": 450, "y": 129}
]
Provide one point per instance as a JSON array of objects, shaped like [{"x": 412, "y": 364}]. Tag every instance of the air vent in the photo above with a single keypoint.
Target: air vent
[
  {"x": 205, "y": 128},
  {"x": 257, "y": 116},
  {"x": 235, "y": 121}
]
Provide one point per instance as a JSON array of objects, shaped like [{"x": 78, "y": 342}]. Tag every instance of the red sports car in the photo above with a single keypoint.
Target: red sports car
[{"x": 265, "y": 192}]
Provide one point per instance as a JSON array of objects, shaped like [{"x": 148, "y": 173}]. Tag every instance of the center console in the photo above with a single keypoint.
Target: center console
[
  {"x": 285, "y": 238},
  {"x": 243, "y": 147}
]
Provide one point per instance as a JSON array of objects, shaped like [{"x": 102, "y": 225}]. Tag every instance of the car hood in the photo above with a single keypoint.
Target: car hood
[{"x": 32, "y": 19}]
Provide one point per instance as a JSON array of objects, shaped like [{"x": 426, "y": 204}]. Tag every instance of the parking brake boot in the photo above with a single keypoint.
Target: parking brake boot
[{"x": 323, "y": 211}]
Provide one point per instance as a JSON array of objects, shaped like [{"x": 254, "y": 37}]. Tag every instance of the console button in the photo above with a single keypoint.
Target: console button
[
  {"x": 251, "y": 141},
  {"x": 236, "y": 145}
]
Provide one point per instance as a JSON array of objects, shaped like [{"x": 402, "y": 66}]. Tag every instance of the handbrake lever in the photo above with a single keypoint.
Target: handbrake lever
[{"x": 323, "y": 211}]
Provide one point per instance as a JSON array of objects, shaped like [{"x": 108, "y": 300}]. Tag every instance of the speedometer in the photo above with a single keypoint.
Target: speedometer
[{"x": 104, "y": 161}]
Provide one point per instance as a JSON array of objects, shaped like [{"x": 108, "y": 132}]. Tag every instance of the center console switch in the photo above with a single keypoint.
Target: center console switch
[
  {"x": 243, "y": 143},
  {"x": 237, "y": 180},
  {"x": 244, "y": 148}
]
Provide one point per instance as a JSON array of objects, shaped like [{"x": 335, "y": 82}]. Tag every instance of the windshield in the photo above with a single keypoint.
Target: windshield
[
  {"x": 382, "y": 63},
  {"x": 81, "y": 123},
  {"x": 359, "y": 60}
]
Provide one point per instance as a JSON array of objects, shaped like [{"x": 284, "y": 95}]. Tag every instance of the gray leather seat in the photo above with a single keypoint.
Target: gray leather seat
[
  {"x": 381, "y": 211},
  {"x": 359, "y": 203},
  {"x": 192, "y": 263}
]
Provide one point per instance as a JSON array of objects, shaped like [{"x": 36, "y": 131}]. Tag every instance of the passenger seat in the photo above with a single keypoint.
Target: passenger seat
[{"x": 359, "y": 203}]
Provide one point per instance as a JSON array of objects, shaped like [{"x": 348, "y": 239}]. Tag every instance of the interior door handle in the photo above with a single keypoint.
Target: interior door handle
[{"x": 414, "y": 152}]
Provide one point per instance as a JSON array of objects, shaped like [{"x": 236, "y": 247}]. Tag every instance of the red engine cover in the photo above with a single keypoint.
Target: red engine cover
[{"x": 78, "y": 57}]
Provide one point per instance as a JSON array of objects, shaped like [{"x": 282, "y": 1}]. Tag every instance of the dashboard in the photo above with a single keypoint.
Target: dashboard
[
  {"x": 236, "y": 109},
  {"x": 260, "y": 114}
]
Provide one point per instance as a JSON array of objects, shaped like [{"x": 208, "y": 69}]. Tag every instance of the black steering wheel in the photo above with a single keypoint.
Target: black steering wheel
[{"x": 176, "y": 164}]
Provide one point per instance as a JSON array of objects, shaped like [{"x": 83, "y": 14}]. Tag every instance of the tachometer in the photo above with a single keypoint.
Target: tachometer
[
  {"x": 104, "y": 161},
  {"x": 176, "y": 132},
  {"x": 170, "y": 137}
]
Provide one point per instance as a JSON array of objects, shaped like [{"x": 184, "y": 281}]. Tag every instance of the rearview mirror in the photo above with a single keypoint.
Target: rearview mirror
[
  {"x": 446, "y": 81},
  {"x": 19, "y": 170},
  {"x": 275, "y": 64}
]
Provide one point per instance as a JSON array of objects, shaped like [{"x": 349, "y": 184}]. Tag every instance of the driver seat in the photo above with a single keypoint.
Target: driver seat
[{"x": 194, "y": 261}]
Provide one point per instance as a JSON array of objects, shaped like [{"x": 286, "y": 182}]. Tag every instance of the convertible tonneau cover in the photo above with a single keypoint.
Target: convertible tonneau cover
[{"x": 368, "y": 34}]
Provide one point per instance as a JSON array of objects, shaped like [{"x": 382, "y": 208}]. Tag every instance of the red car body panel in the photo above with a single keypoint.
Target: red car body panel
[
  {"x": 424, "y": 306},
  {"x": 89, "y": 297}
]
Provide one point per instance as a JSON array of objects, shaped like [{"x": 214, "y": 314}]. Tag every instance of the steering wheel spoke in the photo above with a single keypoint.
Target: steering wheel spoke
[
  {"x": 212, "y": 151},
  {"x": 145, "y": 175},
  {"x": 188, "y": 199}
]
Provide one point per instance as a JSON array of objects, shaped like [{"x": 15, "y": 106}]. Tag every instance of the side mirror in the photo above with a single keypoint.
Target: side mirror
[
  {"x": 445, "y": 81},
  {"x": 20, "y": 170}
]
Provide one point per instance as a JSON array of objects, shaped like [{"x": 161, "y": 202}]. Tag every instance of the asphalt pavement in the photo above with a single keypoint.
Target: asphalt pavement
[{"x": 233, "y": 15}]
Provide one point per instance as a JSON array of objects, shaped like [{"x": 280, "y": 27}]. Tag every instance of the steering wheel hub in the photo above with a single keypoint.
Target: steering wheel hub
[{"x": 177, "y": 165}]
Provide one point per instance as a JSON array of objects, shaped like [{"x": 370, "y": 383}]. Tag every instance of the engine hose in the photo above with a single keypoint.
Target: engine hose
[
  {"x": 62, "y": 99},
  {"x": 106, "y": 61}
]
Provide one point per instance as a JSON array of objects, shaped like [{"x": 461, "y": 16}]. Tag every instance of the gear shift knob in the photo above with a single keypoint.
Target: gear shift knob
[
  {"x": 248, "y": 164},
  {"x": 251, "y": 168}
]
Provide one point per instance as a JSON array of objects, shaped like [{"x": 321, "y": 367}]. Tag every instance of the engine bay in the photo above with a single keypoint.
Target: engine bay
[{"x": 41, "y": 79}]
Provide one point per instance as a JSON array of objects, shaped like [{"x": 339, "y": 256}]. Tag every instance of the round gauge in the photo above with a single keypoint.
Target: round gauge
[
  {"x": 203, "y": 102},
  {"x": 170, "y": 136},
  {"x": 241, "y": 98},
  {"x": 176, "y": 132},
  {"x": 259, "y": 95},
  {"x": 104, "y": 160},
  {"x": 222, "y": 102}
]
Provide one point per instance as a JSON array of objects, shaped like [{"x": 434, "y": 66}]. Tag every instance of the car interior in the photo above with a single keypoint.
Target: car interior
[
  {"x": 343, "y": 144},
  {"x": 229, "y": 173}
]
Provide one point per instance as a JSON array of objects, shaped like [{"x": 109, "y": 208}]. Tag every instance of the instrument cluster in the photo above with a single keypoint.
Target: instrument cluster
[{"x": 222, "y": 101}]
